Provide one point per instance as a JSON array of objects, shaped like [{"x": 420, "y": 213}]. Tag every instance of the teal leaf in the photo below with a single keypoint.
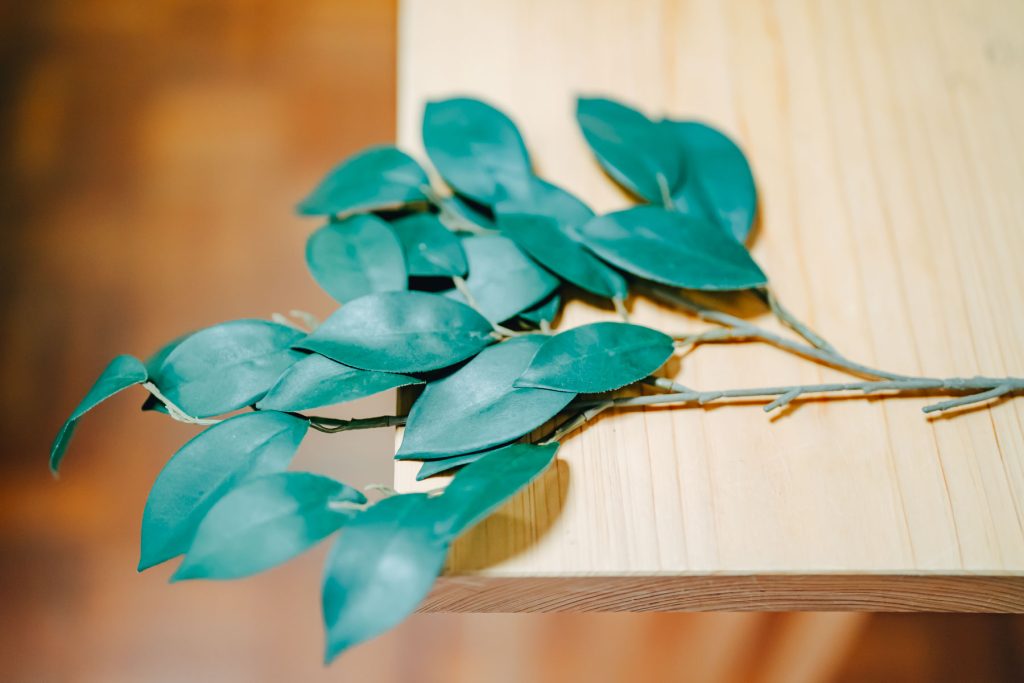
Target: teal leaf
[
  {"x": 546, "y": 310},
  {"x": 547, "y": 199},
  {"x": 401, "y": 332},
  {"x": 458, "y": 214},
  {"x": 719, "y": 184},
  {"x": 502, "y": 279},
  {"x": 121, "y": 373},
  {"x": 380, "y": 568},
  {"x": 483, "y": 485},
  {"x": 265, "y": 521},
  {"x": 673, "y": 249},
  {"x": 478, "y": 406},
  {"x": 431, "y": 250},
  {"x": 636, "y": 152},
  {"x": 597, "y": 357},
  {"x": 476, "y": 149},
  {"x": 378, "y": 178},
  {"x": 431, "y": 468},
  {"x": 153, "y": 363},
  {"x": 227, "y": 366},
  {"x": 205, "y": 469},
  {"x": 317, "y": 381},
  {"x": 358, "y": 256},
  {"x": 541, "y": 238}
]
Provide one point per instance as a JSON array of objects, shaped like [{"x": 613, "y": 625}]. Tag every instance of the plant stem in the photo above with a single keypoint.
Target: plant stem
[
  {"x": 792, "y": 322},
  {"x": 460, "y": 284},
  {"x": 574, "y": 423},
  {"x": 981, "y": 388},
  {"x": 330, "y": 425},
  {"x": 173, "y": 410},
  {"x": 743, "y": 329}
]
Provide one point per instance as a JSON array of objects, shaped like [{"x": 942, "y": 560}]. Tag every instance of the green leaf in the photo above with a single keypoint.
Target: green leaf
[
  {"x": 358, "y": 256},
  {"x": 317, "y": 381},
  {"x": 673, "y": 249},
  {"x": 228, "y": 366},
  {"x": 541, "y": 238},
  {"x": 378, "y": 178},
  {"x": 401, "y": 332},
  {"x": 121, "y": 373},
  {"x": 265, "y": 521},
  {"x": 458, "y": 214},
  {"x": 380, "y": 568},
  {"x": 719, "y": 184},
  {"x": 430, "y": 468},
  {"x": 430, "y": 249},
  {"x": 478, "y": 406},
  {"x": 205, "y": 469},
  {"x": 502, "y": 279},
  {"x": 547, "y": 199},
  {"x": 631, "y": 148},
  {"x": 545, "y": 310},
  {"x": 597, "y": 357},
  {"x": 482, "y": 486},
  {"x": 476, "y": 149}
]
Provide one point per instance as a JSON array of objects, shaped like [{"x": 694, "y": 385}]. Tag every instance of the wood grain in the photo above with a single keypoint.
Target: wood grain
[{"x": 887, "y": 140}]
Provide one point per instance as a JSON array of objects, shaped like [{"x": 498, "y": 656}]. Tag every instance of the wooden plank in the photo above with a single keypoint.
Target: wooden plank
[{"x": 887, "y": 140}]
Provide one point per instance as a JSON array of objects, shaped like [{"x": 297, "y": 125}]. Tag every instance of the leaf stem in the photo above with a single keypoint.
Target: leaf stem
[
  {"x": 577, "y": 421},
  {"x": 979, "y": 388},
  {"x": 792, "y": 322},
  {"x": 460, "y": 284},
  {"x": 742, "y": 329},
  {"x": 330, "y": 425},
  {"x": 174, "y": 411}
]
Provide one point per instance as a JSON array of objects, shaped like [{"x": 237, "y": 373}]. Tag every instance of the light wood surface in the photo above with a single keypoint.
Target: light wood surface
[{"x": 887, "y": 139}]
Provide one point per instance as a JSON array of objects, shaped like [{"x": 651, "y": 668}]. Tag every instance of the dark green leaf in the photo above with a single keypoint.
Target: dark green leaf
[
  {"x": 227, "y": 366},
  {"x": 597, "y": 357},
  {"x": 317, "y": 381},
  {"x": 358, "y": 256},
  {"x": 121, "y": 373},
  {"x": 545, "y": 310},
  {"x": 432, "y": 468},
  {"x": 379, "y": 570},
  {"x": 478, "y": 406},
  {"x": 430, "y": 248},
  {"x": 265, "y": 521},
  {"x": 502, "y": 279},
  {"x": 719, "y": 184},
  {"x": 458, "y": 214},
  {"x": 401, "y": 332},
  {"x": 673, "y": 249},
  {"x": 482, "y": 486},
  {"x": 541, "y": 238},
  {"x": 638, "y": 153},
  {"x": 205, "y": 469},
  {"x": 379, "y": 178},
  {"x": 546, "y": 199},
  {"x": 476, "y": 149}
]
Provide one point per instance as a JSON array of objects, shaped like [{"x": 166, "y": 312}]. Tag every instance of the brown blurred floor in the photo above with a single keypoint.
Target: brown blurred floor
[{"x": 150, "y": 154}]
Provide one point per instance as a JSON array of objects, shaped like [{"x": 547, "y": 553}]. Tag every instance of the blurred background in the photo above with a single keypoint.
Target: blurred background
[{"x": 150, "y": 157}]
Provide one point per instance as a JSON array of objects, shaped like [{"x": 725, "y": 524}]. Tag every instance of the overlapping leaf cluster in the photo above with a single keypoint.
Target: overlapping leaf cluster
[{"x": 454, "y": 289}]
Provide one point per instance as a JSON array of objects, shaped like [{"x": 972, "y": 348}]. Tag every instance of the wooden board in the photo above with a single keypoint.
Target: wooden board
[{"x": 888, "y": 142}]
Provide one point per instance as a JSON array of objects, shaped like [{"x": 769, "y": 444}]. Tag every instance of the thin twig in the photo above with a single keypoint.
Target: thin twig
[
  {"x": 744, "y": 328},
  {"x": 620, "y": 308},
  {"x": 792, "y": 322},
  {"x": 463, "y": 288},
  {"x": 574, "y": 423},
  {"x": 981, "y": 388},
  {"x": 330, "y": 425},
  {"x": 174, "y": 411}
]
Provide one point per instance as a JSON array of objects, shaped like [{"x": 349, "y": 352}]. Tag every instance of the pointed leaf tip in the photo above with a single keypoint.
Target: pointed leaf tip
[{"x": 121, "y": 373}]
